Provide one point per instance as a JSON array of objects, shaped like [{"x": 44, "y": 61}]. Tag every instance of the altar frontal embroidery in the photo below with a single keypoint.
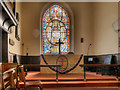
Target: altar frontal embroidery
[{"x": 62, "y": 60}]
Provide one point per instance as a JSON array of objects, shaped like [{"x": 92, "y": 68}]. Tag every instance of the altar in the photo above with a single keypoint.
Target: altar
[{"x": 69, "y": 64}]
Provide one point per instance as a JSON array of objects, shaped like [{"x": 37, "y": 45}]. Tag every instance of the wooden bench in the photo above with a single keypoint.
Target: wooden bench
[
  {"x": 9, "y": 75},
  {"x": 9, "y": 79},
  {"x": 27, "y": 84}
]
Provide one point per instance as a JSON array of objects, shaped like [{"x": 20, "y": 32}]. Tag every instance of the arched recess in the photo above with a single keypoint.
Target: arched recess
[{"x": 67, "y": 8}]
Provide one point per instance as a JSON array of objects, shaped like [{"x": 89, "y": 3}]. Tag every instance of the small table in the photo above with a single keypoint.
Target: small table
[
  {"x": 46, "y": 65},
  {"x": 100, "y": 65}
]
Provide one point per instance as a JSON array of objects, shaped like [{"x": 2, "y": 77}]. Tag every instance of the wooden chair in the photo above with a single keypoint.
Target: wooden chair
[
  {"x": 9, "y": 79},
  {"x": 28, "y": 84},
  {"x": 7, "y": 66}
]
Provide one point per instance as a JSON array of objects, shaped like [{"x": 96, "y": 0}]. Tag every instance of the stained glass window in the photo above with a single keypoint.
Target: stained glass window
[{"x": 55, "y": 26}]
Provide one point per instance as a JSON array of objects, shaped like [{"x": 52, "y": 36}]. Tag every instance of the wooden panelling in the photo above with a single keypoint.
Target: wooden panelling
[
  {"x": 116, "y": 58},
  {"x": 4, "y": 47},
  {"x": 0, "y": 45},
  {"x": 31, "y": 60}
]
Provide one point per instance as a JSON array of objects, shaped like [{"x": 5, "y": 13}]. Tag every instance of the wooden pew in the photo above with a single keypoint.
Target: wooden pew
[
  {"x": 28, "y": 84},
  {"x": 8, "y": 79},
  {"x": 9, "y": 76},
  {"x": 7, "y": 66}
]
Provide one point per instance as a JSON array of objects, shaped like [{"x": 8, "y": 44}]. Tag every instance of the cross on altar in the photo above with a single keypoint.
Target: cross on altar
[{"x": 59, "y": 45}]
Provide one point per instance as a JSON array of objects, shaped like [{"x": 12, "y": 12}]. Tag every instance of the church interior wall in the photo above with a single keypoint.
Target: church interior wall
[
  {"x": 105, "y": 37},
  {"x": 17, "y": 47},
  {"x": 31, "y": 24},
  {"x": 92, "y": 22}
]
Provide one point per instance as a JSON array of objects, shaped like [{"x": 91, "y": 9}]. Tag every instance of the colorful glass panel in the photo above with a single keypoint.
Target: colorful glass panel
[{"x": 55, "y": 26}]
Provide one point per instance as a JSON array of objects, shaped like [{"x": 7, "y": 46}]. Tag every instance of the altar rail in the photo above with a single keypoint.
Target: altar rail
[{"x": 117, "y": 66}]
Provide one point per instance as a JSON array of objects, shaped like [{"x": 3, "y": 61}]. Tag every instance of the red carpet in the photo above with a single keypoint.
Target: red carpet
[{"x": 74, "y": 80}]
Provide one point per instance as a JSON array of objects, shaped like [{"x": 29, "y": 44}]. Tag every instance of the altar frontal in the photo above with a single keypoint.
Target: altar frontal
[{"x": 69, "y": 63}]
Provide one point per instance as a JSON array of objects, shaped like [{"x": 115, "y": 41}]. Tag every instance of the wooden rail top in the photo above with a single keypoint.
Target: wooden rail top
[
  {"x": 8, "y": 71},
  {"x": 46, "y": 65},
  {"x": 99, "y": 65}
]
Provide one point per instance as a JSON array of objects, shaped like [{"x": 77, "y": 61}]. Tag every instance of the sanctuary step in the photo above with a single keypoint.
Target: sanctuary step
[
  {"x": 73, "y": 80},
  {"x": 80, "y": 84},
  {"x": 68, "y": 77}
]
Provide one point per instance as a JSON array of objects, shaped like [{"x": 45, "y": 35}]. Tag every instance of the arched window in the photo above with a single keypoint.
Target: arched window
[{"x": 55, "y": 27}]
